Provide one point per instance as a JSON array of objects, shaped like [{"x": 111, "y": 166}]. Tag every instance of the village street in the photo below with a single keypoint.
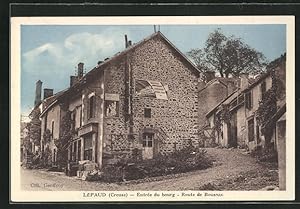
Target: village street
[{"x": 229, "y": 165}]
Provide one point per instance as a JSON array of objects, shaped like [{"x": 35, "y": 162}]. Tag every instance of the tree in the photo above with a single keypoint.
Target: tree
[
  {"x": 227, "y": 56},
  {"x": 34, "y": 126},
  {"x": 65, "y": 139}
]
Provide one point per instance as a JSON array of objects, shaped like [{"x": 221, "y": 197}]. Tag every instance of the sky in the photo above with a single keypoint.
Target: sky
[{"x": 50, "y": 53}]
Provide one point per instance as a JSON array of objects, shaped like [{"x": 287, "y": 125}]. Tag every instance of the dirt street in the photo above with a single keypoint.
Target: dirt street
[{"x": 229, "y": 165}]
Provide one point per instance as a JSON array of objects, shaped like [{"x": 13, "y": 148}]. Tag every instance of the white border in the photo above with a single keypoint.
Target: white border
[{"x": 17, "y": 195}]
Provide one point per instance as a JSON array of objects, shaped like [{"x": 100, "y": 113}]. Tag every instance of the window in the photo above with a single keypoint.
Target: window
[
  {"x": 80, "y": 112},
  {"x": 148, "y": 139},
  {"x": 263, "y": 89},
  {"x": 257, "y": 135},
  {"x": 45, "y": 122},
  {"x": 79, "y": 150},
  {"x": 111, "y": 108},
  {"x": 88, "y": 148},
  {"x": 72, "y": 124},
  {"x": 52, "y": 129},
  {"x": 92, "y": 107},
  {"x": 251, "y": 130},
  {"x": 248, "y": 100},
  {"x": 147, "y": 112},
  {"x": 74, "y": 153}
]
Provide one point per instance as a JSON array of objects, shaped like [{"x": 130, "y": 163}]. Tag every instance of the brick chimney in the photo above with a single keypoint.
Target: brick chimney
[
  {"x": 80, "y": 70},
  {"x": 126, "y": 41},
  {"x": 48, "y": 93},
  {"x": 72, "y": 80},
  {"x": 38, "y": 92},
  {"x": 244, "y": 82}
]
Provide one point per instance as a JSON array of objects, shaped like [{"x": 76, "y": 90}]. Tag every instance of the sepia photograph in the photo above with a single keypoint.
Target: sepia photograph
[{"x": 153, "y": 108}]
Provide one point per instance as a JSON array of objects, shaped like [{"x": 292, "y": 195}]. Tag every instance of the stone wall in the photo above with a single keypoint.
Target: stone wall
[
  {"x": 209, "y": 97},
  {"x": 174, "y": 120},
  {"x": 177, "y": 116}
]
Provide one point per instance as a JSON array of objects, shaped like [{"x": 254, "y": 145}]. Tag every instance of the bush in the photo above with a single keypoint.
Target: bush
[
  {"x": 265, "y": 155},
  {"x": 181, "y": 161}
]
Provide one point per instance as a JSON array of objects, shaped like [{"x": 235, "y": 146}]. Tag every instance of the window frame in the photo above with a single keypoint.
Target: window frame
[
  {"x": 148, "y": 140},
  {"x": 263, "y": 89},
  {"x": 92, "y": 107},
  {"x": 88, "y": 151},
  {"x": 248, "y": 100}
]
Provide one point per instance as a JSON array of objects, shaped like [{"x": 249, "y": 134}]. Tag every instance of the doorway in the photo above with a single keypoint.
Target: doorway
[
  {"x": 148, "y": 145},
  {"x": 232, "y": 131}
]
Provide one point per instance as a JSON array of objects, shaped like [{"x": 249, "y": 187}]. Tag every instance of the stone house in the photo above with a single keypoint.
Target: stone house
[
  {"x": 211, "y": 91},
  {"x": 240, "y": 126},
  {"x": 143, "y": 100}
]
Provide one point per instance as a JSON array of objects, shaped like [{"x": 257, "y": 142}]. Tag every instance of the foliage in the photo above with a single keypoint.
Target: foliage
[
  {"x": 227, "y": 56},
  {"x": 265, "y": 155},
  {"x": 47, "y": 157},
  {"x": 34, "y": 126},
  {"x": 224, "y": 115},
  {"x": 47, "y": 136},
  {"x": 67, "y": 133},
  {"x": 268, "y": 106},
  {"x": 27, "y": 144},
  {"x": 180, "y": 161}
]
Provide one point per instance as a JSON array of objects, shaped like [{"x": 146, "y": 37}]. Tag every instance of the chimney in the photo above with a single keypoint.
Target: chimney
[
  {"x": 38, "y": 92},
  {"x": 48, "y": 93},
  {"x": 209, "y": 75},
  {"x": 230, "y": 86},
  {"x": 80, "y": 70},
  {"x": 99, "y": 62},
  {"x": 244, "y": 82},
  {"x": 72, "y": 80},
  {"x": 126, "y": 41}
]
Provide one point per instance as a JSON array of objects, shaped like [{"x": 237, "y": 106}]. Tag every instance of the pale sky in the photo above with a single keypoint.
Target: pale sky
[{"x": 51, "y": 53}]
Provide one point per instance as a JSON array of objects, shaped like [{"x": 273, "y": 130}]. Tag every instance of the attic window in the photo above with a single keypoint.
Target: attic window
[{"x": 154, "y": 89}]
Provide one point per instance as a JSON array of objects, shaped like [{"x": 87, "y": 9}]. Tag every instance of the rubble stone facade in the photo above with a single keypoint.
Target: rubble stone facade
[{"x": 173, "y": 122}]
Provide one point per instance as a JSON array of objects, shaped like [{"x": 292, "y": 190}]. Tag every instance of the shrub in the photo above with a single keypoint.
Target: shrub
[
  {"x": 180, "y": 161},
  {"x": 265, "y": 155}
]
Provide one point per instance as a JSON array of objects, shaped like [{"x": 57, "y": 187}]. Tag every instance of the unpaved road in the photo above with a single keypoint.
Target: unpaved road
[{"x": 229, "y": 163}]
